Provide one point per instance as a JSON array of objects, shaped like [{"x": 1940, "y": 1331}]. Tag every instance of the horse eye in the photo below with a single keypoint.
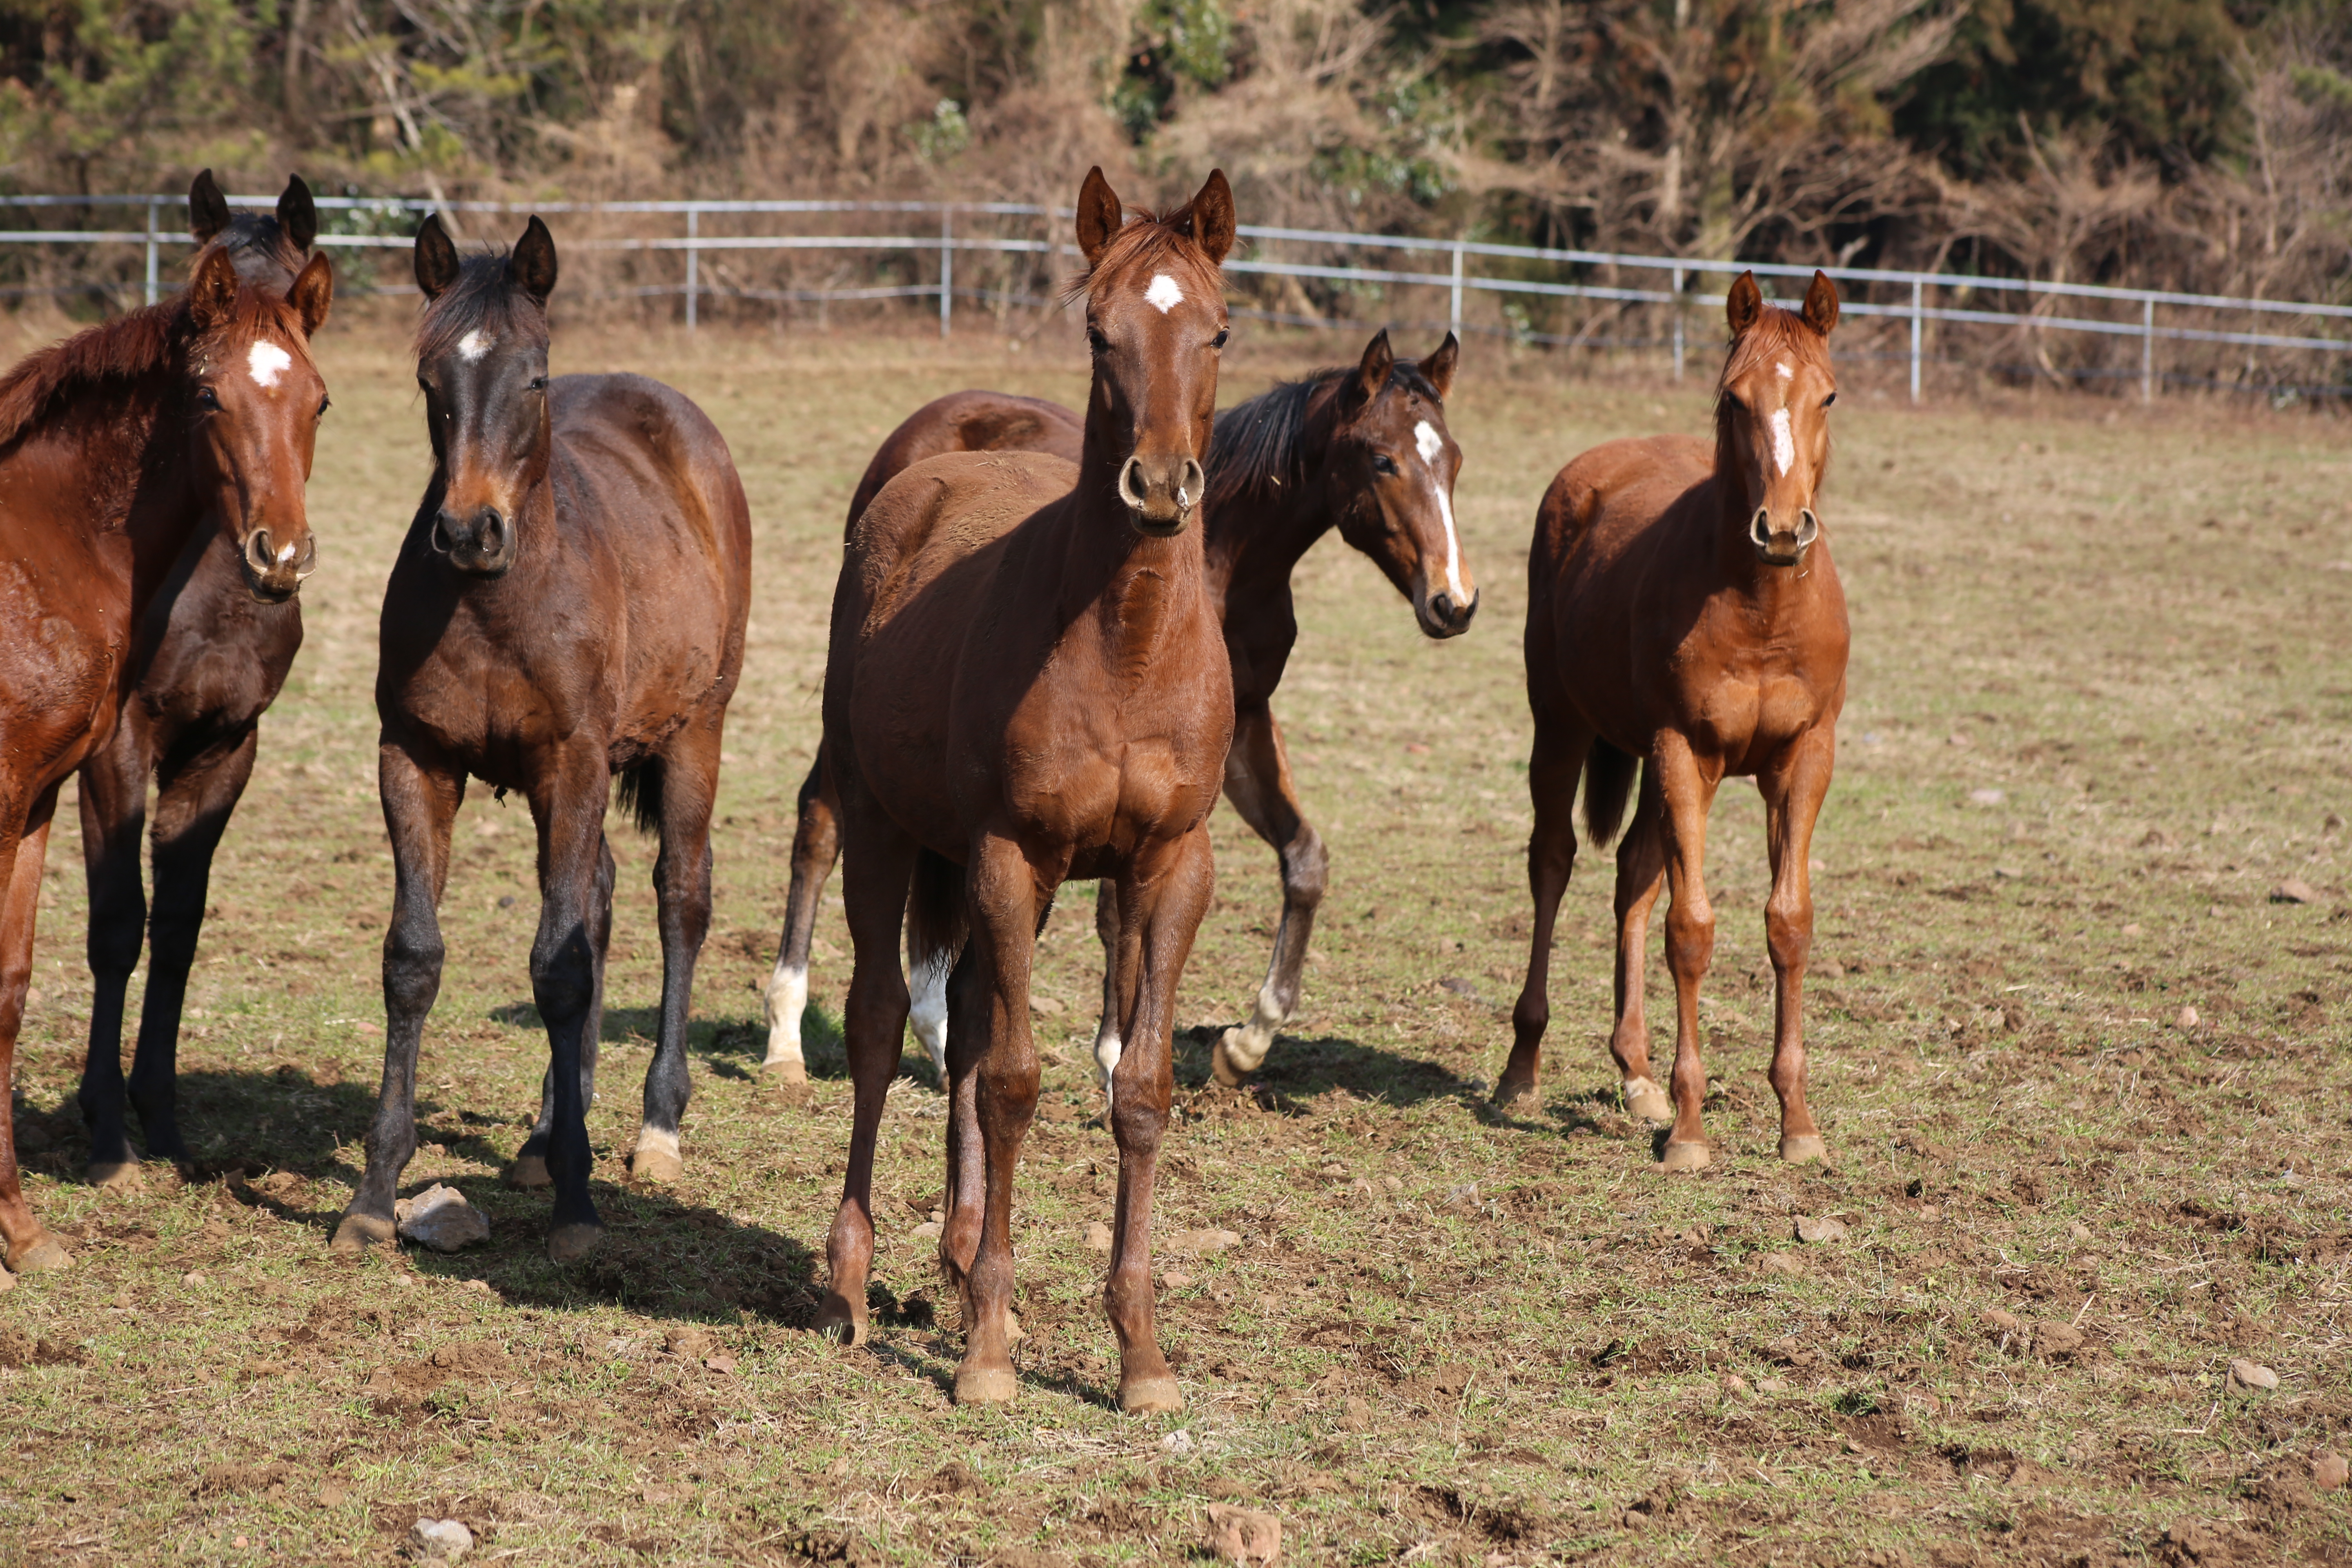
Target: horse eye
[
  {"x": 1383, "y": 464},
  {"x": 538, "y": 384},
  {"x": 1219, "y": 340},
  {"x": 1097, "y": 342},
  {"x": 1830, "y": 399},
  {"x": 325, "y": 403},
  {"x": 207, "y": 398}
]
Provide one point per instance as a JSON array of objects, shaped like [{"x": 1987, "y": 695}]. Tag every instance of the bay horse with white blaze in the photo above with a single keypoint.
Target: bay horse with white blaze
[
  {"x": 1683, "y": 617},
  {"x": 209, "y": 659},
  {"x": 1363, "y": 449},
  {"x": 116, "y": 447},
  {"x": 567, "y": 606},
  {"x": 1026, "y": 684}
]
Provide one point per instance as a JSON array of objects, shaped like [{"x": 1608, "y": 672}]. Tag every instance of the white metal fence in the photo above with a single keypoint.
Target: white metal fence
[{"x": 1462, "y": 268}]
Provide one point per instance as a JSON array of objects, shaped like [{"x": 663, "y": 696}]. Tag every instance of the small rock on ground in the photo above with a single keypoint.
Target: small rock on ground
[
  {"x": 439, "y": 1539},
  {"x": 1196, "y": 1242},
  {"x": 2329, "y": 1472},
  {"x": 1823, "y": 1229},
  {"x": 2252, "y": 1377},
  {"x": 1243, "y": 1535},
  {"x": 2294, "y": 891},
  {"x": 440, "y": 1218},
  {"x": 1098, "y": 1237},
  {"x": 1779, "y": 1263},
  {"x": 2057, "y": 1339}
]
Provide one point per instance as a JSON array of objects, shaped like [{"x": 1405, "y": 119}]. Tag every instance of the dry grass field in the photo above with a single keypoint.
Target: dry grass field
[{"x": 2084, "y": 1077}]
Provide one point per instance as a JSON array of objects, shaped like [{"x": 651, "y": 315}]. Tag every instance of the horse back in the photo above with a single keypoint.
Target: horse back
[{"x": 973, "y": 421}]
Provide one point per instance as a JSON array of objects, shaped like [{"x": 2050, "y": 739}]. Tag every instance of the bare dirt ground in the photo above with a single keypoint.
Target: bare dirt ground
[{"x": 2101, "y": 701}]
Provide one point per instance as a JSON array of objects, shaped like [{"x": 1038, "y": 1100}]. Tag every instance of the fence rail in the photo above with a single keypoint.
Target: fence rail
[{"x": 1680, "y": 275}]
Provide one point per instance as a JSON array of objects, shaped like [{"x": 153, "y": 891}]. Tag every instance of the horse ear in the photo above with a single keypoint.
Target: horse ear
[
  {"x": 437, "y": 258},
  {"x": 532, "y": 265},
  {"x": 1099, "y": 214},
  {"x": 1213, "y": 217},
  {"x": 1744, "y": 305},
  {"x": 313, "y": 293},
  {"x": 211, "y": 292},
  {"x": 1822, "y": 303},
  {"x": 298, "y": 215},
  {"x": 1373, "y": 372},
  {"x": 1439, "y": 367},
  {"x": 207, "y": 208}
]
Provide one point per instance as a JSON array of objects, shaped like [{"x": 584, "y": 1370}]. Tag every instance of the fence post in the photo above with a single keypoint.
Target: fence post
[
  {"x": 151, "y": 247},
  {"x": 946, "y": 265},
  {"x": 1678, "y": 323},
  {"x": 2148, "y": 350},
  {"x": 1456, "y": 315},
  {"x": 693, "y": 264},
  {"x": 1918, "y": 319}
]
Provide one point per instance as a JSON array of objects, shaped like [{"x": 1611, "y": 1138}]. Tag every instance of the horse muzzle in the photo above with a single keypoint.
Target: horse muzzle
[
  {"x": 1776, "y": 548},
  {"x": 1161, "y": 493},
  {"x": 274, "y": 571},
  {"x": 480, "y": 544},
  {"x": 1442, "y": 616}
]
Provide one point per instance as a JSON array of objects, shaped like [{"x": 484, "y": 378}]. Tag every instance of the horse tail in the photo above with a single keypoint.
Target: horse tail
[
  {"x": 1609, "y": 776},
  {"x": 937, "y": 918},
  {"x": 641, "y": 794}
]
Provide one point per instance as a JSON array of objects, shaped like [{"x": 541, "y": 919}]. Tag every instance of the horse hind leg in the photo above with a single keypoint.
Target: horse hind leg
[
  {"x": 29, "y": 1247},
  {"x": 1553, "y": 766},
  {"x": 1641, "y": 875},
  {"x": 1259, "y": 782},
  {"x": 817, "y": 846},
  {"x": 682, "y": 885}
]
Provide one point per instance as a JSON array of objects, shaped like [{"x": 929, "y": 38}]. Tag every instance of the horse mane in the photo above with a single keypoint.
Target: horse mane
[
  {"x": 485, "y": 298},
  {"x": 1777, "y": 331},
  {"x": 254, "y": 242},
  {"x": 1146, "y": 239},
  {"x": 1261, "y": 442}
]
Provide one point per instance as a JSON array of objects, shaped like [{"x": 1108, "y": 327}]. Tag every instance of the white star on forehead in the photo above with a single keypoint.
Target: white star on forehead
[
  {"x": 267, "y": 361},
  {"x": 474, "y": 345},
  {"x": 1163, "y": 293}
]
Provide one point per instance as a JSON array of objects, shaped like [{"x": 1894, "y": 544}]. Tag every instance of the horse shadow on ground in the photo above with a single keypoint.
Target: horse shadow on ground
[
  {"x": 277, "y": 1140},
  {"x": 1297, "y": 1071}
]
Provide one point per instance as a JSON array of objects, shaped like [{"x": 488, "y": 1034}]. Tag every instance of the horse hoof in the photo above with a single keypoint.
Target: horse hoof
[
  {"x": 1645, "y": 1102},
  {"x": 528, "y": 1172},
  {"x": 1150, "y": 1396},
  {"x": 1686, "y": 1155},
  {"x": 1221, "y": 1066},
  {"x": 1514, "y": 1095},
  {"x": 786, "y": 1069},
  {"x": 571, "y": 1243},
  {"x": 985, "y": 1386},
  {"x": 42, "y": 1253},
  {"x": 1799, "y": 1149},
  {"x": 116, "y": 1175},
  {"x": 358, "y": 1232},
  {"x": 840, "y": 1321},
  {"x": 655, "y": 1161}
]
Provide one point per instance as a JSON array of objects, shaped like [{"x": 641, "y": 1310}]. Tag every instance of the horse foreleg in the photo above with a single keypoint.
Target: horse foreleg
[
  {"x": 1003, "y": 898},
  {"x": 566, "y": 966},
  {"x": 1553, "y": 767},
  {"x": 113, "y": 803},
  {"x": 530, "y": 1168},
  {"x": 880, "y": 864},
  {"x": 1687, "y": 790},
  {"x": 1641, "y": 874},
  {"x": 30, "y": 1246},
  {"x": 192, "y": 807},
  {"x": 1118, "y": 945},
  {"x": 816, "y": 845},
  {"x": 682, "y": 887},
  {"x": 1794, "y": 790},
  {"x": 1163, "y": 914},
  {"x": 1259, "y": 782},
  {"x": 420, "y": 801}
]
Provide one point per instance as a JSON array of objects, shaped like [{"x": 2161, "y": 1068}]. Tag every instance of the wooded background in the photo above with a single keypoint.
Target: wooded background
[{"x": 2194, "y": 144}]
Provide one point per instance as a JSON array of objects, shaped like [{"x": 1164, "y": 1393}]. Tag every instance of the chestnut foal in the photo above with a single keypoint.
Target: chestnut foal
[
  {"x": 1027, "y": 684},
  {"x": 567, "y": 606},
  {"x": 210, "y": 658},
  {"x": 1363, "y": 449},
  {"x": 117, "y": 447},
  {"x": 1683, "y": 614}
]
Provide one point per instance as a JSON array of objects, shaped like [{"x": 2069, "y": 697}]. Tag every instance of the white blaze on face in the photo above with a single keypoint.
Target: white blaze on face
[
  {"x": 1784, "y": 445},
  {"x": 1164, "y": 294},
  {"x": 474, "y": 345},
  {"x": 267, "y": 361},
  {"x": 1429, "y": 444}
]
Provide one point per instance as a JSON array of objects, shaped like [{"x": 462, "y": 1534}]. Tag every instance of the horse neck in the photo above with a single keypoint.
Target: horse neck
[
  {"x": 123, "y": 461},
  {"x": 1257, "y": 530}
]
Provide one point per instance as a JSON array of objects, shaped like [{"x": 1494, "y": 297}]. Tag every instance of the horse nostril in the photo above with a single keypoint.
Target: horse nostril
[
  {"x": 443, "y": 540},
  {"x": 1808, "y": 527},
  {"x": 306, "y": 560},
  {"x": 1759, "y": 528},
  {"x": 1192, "y": 486},
  {"x": 1127, "y": 491},
  {"x": 1441, "y": 605}
]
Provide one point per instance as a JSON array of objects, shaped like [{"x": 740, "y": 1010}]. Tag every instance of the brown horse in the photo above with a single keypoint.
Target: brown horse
[
  {"x": 208, "y": 661},
  {"x": 1683, "y": 611},
  {"x": 116, "y": 447},
  {"x": 1363, "y": 449},
  {"x": 567, "y": 606},
  {"x": 1026, "y": 684}
]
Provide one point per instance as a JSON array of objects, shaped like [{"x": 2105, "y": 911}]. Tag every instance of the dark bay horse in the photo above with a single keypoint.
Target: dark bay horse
[
  {"x": 208, "y": 660},
  {"x": 1683, "y": 617},
  {"x": 1027, "y": 683},
  {"x": 116, "y": 447},
  {"x": 1363, "y": 449},
  {"x": 568, "y": 607}
]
